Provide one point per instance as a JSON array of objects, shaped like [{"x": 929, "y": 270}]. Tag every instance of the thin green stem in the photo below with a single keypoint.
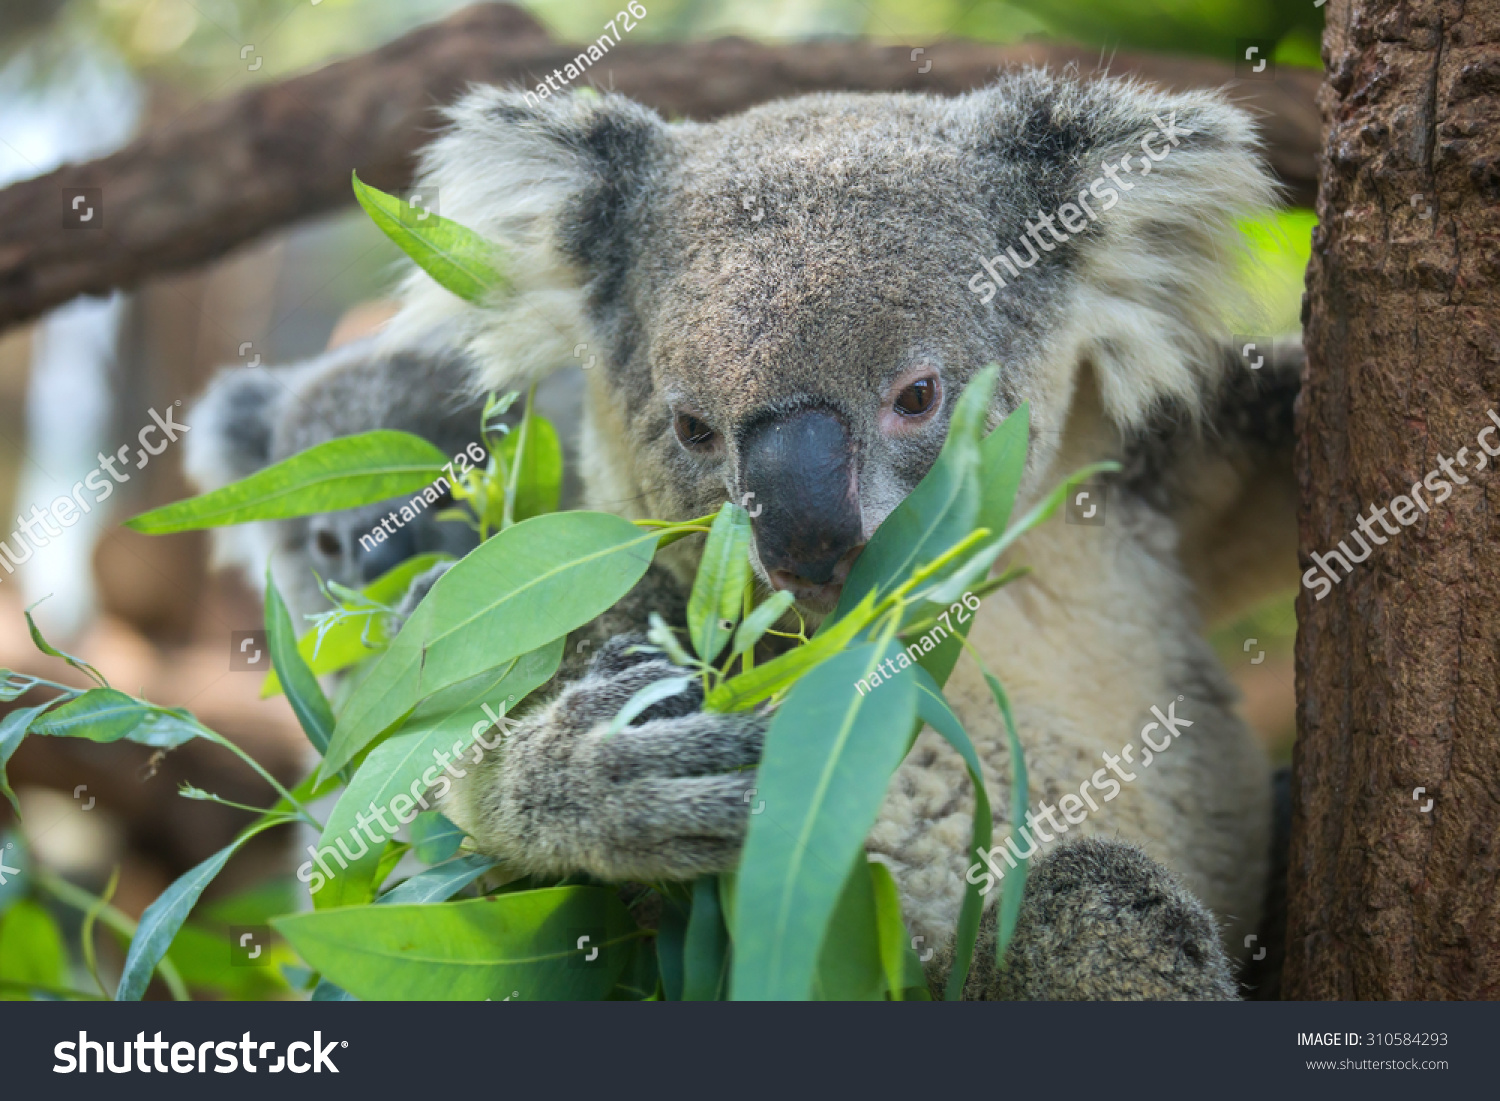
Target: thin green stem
[
  {"x": 301, "y": 811},
  {"x": 518, "y": 460},
  {"x": 79, "y": 899},
  {"x": 86, "y": 935}
]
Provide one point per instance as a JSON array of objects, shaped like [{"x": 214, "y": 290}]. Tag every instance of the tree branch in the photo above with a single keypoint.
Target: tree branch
[{"x": 229, "y": 171}]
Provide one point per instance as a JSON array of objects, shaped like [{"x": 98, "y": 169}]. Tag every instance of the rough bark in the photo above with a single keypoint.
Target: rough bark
[
  {"x": 1398, "y": 667},
  {"x": 224, "y": 173}
]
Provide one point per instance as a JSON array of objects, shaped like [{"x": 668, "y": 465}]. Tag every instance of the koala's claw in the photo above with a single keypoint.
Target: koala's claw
[{"x": 664, "y": 798}]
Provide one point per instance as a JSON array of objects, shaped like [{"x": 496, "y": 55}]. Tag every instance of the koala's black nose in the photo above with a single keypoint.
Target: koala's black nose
[
  {"x": 802, "y": 470},
  {"x": 384, "y": 555}
]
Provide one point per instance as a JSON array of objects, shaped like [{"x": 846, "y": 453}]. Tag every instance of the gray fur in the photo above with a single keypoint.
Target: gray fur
[{"x": 1102, "y": 921}]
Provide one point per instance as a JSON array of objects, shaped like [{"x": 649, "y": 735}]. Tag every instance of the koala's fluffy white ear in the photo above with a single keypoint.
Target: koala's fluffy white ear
[
  {"x": 232, "y": 426},
  {"x": 548, "y": 182},
  {"x": 232, "y": 429},
  {"x": 1165, "y": 179}
]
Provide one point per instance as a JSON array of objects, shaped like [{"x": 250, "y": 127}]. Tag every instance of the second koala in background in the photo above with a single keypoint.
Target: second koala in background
[{"x": 255, "y": 416}]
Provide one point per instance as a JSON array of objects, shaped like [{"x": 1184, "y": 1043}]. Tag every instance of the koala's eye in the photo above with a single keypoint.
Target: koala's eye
[
  {"x": 693, "y": 433},
  {"x": 328, "y": 544},
  {"x": 918, "y": 398},
  {"x": 444, "y": 497}
]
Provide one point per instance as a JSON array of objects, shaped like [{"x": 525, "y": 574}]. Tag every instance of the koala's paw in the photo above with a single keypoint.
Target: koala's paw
[
  {"x": 420, "y": 586},
  {"x": 1102, "y": 921},
  {"x": 667, "y": 797}
]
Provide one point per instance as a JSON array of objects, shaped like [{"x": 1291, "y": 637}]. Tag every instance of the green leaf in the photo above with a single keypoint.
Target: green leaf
[
  {"x": 401, "y": 768},
  {"x": 529, "y": 585},
  {"x": 47, "y": 648},
  {"x": 664, "y": 638},
  {"x": 353, "y": 637},
  {"x": 761, "y": 620},
  {"x": 849, "y": 962},
  {"x": 302, "y": 692},
  {"x": 440, "y": 883},
  {"x": 13, "y": 727},
  {"x": 671, "y": 945},
  {"x": 977, "y": 566},
  {"x": 894, "y": 944},
  {"x": 14, "y": 685},
  {"x": 1002, "y": 463},
  {"x": 640, "y": 980},
  {"x": 829, "y": 755},
  {"x": 643, "y": 699},
  {"x": 764, "y": 681},
  {"x": 347, "y": 472},
  {"x": 433, "y": 838},
  {"x": 526, "y": 941},
  {"x": 31, "y": 947},
  {"x": 1014, "y": 887},
  {"x": 934, "y": 711},
  {"x": 539, "y": 485},
  {"x": 714, "y": 606},
  {"x": 108, "y": 715},
  {"x": 705, "y": 950},
  {"x": 935, "y": 515},
  {"x": 458, "y": 259},
  {"x": 164, "y": 917}
]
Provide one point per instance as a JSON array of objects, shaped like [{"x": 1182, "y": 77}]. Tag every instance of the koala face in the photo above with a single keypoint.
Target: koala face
[
  {"x": 791, "y": 301},
  {"x": 252, "y": 417}
]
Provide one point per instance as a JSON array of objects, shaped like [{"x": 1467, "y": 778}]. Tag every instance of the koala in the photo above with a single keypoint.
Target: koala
[
  {"x": 786, "y": 305},
  {"x": 251, "y": 417}
]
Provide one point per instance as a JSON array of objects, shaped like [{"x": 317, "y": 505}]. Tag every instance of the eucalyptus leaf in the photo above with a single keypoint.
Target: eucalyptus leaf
[
  {"x": 164, "y": 917},
  {"x": 934, "y": 711},
  {"x": 440, "y": 883},
  {"x": 525, "y": 587},
  {"x": 714, "y": 606},
  {"x": 829, "y": 754},
  {"x": 894, "y": 944},
  {"x": 535, "y": 944},
  {"x": 13, "y": 728},
  {"x": 458, "y": 259},
  {"x": 761, "y": 683},
  {"x": 705, "y": 952},
  {"x": 761, "y": 620},
  {"x": 849, "y": 962},
  {"x": 434, "y": 838},
  {"x": 341, "y": 473},
  {"x": 539, "y": 484},
  {"x": 47, "y": 648},
  {"x": 643, "y": 699},
  {"x": 108, "y": 715},
  {"x": 671, "y": 942},
  {"x": 1014, "y": 888},
  {"x": 391, "y": 783},
  {"x": 302, "y": 691}
]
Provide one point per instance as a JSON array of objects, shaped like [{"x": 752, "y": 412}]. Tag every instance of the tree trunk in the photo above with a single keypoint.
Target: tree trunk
[{"x": 1394, "y": 882}]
